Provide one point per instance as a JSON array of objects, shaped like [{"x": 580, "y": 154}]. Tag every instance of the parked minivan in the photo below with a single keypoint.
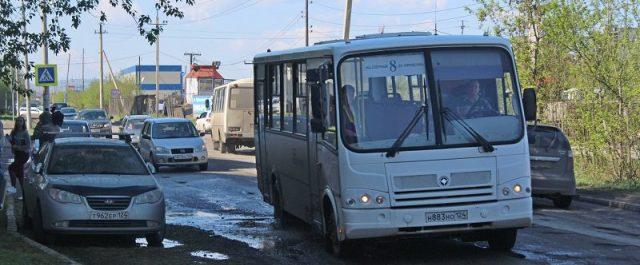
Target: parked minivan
[
  {"x": 232, "y": 116},
  {"x": 551, "y": 157},
  {"x": 172, "y": 142}
]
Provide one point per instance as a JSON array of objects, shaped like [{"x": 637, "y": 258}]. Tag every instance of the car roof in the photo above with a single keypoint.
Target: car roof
[
  {"x": 167, "y": 120},
  {"x": 137, "y": 117},
  {"x": 87, "y": 110},
  {"x": 75, "y": 122},
  {"x": 67, "y": 108},
  {"x": 89, "y": 141}
]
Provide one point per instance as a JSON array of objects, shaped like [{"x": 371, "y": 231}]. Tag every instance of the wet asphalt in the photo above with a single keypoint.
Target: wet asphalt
[{"x": 218, "y": 217}]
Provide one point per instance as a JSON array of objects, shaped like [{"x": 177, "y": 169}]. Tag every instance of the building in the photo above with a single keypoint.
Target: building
[
  {"x": 170, "y": 78},
  {"x": 201, "y": 80}
]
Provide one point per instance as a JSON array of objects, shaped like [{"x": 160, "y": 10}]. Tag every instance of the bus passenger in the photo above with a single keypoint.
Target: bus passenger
[{"x": 472, "y": 104}]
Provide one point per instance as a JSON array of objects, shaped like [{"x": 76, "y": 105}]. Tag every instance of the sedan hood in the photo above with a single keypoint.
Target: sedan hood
[
  {"x": 192, "y": 142},
  {"x": 102, "y": 181}
]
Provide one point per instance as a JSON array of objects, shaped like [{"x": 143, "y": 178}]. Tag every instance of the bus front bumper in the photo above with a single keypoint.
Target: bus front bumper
[{"x": 371, "y": 223}]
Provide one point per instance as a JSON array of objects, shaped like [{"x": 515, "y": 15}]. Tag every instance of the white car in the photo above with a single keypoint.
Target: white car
[
  {"x": 203, "y": 123},
  {"x": 172, "y": 142},
  {"x": 35, "y": 112}
]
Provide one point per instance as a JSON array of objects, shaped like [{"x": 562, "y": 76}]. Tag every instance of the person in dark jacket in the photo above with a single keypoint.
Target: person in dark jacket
[
  {"x": 56, "y": 116},
  {"x": 43, "y": 128},
  {"x": 21, "y": 146}
]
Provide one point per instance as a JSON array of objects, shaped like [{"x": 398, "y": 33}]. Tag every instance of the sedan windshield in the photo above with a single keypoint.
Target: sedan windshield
[
  {"x": 135, "y": 124},
  {"x": 174, "y": 130},
  {"x": 68, "y": 110},
  {"x": 380, "y": 94},
  {"x": 93, "y": 115},
  {"x": 95, "y": 159}
]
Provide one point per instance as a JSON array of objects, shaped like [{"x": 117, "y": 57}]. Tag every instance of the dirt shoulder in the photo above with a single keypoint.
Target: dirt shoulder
[
  {"x": 622, "y": 195},
  {"x": 13, "y": 250}
]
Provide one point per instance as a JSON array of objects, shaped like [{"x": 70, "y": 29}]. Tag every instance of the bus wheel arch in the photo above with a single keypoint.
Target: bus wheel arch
[{"x": 335, "y": 240}]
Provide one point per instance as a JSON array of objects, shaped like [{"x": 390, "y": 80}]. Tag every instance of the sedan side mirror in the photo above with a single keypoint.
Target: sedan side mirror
[
  {"x": 529, "y": 104},
  {"x": 202, "y": 134},
  {"x": 151, "y": 168}
]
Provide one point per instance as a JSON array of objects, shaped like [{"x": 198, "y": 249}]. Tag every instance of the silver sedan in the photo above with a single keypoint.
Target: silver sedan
[{"x": 92, "y": 186}]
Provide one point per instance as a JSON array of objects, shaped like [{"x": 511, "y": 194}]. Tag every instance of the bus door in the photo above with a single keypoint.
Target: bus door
[
  {"x": 261, "y": 148},
  {"x": 323, "y": 160}
]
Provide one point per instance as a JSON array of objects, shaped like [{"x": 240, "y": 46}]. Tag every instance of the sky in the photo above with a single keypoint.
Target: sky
[{"x": 233, "y": 31}]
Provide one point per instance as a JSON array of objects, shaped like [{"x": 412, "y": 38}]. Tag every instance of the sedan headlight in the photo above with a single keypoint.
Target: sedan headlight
[
  {"x": 202, "y": 148},
  {"x": 162, "y": 150},
  {"x": 64, "y": 196},
  {"x": 149, "y": 197}
]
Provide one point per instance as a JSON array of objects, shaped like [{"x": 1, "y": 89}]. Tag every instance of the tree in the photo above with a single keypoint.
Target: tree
[{"x": 14, "y": 42}]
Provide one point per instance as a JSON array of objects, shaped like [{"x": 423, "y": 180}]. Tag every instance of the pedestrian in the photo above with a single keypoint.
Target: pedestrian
[
  {"x": 44, "y": 129},
  {"x": 57, "y": 117},
  {"x": 20, "y": 146}
]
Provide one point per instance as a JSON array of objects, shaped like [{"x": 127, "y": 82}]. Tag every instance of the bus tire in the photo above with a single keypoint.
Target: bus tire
[
  {"x": 503, "y": 240},
  {"x": 340, "y": 249},
  {"x": 280, "y": 216}
]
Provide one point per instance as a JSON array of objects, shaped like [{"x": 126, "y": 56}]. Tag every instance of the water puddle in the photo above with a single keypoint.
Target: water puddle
[
  {"x": 209, "y": 255},
  {"x": 166, "y": 243},
  {"x": 539, "y": 253},
  {"x": 254, "y": 230}
]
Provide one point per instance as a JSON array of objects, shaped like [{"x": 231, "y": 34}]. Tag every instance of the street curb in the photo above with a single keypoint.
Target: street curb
[
  {"x": 13, "y": 229},
  {"x": 610, "y": 203}
]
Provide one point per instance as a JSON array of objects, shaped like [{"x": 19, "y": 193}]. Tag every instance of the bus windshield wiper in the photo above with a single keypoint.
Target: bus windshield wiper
[
  {"x": 393, "y": 150},
  {"x": 450, "y": 116}
]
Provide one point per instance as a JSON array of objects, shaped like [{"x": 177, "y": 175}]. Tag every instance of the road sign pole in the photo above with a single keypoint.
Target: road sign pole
[{"x": 46, "y": 101}]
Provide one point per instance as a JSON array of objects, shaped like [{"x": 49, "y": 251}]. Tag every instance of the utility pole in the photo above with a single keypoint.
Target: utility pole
[
  {"x": 100, "y": 32},
  {"x": 158, "y": 24},
  {"x": 27, "y": 68},
  {"x": 17, "y": 93},
  {"x": 435, "y": 19},
  {"x": 306, "y": 23},
  {"x": 14, "y": 91},
  {"x": 66, "y": 96},
  {"x": 46, "y": 100},
  {"x": 82, "y": 69},
  {"x": 191, "y": 56},
  {"x": 462, "y": 26},
  {"x": 347, "y": 20}
]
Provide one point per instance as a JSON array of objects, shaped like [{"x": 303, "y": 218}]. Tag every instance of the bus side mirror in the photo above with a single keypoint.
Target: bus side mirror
[
  {"x": 529, "y": 104},
  {"x": 317, "y": 126},
  {"x": 207, "y": 104}
]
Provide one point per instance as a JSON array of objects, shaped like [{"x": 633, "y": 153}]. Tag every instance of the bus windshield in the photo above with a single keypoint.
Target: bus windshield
[
  {"x": 380, "y": 95},
  {"x": 241, "y": 98}
]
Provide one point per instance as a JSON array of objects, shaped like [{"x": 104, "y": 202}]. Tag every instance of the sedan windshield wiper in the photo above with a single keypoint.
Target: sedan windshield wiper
[
  {"x": 393, "y": 150},
  {"x": 450, "y": 116}
]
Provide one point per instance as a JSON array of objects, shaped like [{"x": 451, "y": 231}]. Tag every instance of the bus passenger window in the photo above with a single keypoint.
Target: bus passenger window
[
  {"x": 274, "y": 104},
  {"x": 301, "y": 100},
  {"x": 330, "y": 136},
  {"x": 287, "y": 97}
]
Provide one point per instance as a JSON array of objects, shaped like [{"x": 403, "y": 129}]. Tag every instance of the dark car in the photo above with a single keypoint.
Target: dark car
[
  {"x": 69, "y": 113},
  {"x": 60, "y": 105},
  {"x": 552, "y": 174}
]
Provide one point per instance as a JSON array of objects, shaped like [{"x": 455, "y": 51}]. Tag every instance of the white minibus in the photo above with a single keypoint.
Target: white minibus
[
  {"x": 403, "y": 135},
  {"x": 232, "y": 116}
]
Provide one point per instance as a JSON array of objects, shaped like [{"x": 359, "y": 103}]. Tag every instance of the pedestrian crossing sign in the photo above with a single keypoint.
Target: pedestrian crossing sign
[{"x": 46, "y": 75}]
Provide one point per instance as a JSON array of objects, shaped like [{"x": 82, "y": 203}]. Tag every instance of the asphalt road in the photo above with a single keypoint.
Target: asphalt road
[{"x": 218, "y": 216}]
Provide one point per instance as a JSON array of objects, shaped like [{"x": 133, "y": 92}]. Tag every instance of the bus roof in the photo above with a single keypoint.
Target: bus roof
[{"x": 378, "y": 42}]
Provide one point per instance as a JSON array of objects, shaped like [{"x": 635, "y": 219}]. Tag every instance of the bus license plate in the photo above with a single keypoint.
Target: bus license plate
[
  {"x": 110, "y": 215},
  {"x": 445, "y": 217}
]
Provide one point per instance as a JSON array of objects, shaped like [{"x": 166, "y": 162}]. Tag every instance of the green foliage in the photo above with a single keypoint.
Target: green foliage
[
  {"x": 90, "y": 97},
  {"x": 594, "y": 48}
]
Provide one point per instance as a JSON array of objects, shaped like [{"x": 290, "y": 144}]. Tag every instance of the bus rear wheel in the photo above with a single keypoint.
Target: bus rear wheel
[{"x": 503, "y": 240}]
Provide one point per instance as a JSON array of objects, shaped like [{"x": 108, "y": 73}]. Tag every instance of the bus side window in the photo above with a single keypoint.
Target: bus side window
[
  {"x": 259, "y": 96},
  {"x": 321, "y": 73}
]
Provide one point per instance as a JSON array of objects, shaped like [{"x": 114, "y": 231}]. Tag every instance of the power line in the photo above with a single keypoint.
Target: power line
[
  {"x": 397, "y": 25},
  {"x": 242, "y": 5},
  {"x": 396, "y": 14}
]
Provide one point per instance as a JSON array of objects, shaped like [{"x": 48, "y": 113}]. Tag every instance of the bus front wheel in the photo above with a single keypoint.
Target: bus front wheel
[
  {"x": 333, "y": 244},
  {"x": 503, "y": 240},
  {"x": 282, "y": 218}
]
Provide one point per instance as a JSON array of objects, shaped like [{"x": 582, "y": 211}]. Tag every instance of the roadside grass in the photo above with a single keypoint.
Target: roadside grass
[
  {"x": 13, "y": 250},
  {"x": 598, "y": 181}
]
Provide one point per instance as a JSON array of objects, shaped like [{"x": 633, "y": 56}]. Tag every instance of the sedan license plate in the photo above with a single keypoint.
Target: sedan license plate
[
  {"x": 451, "y": 216},
  {"x": 95, "y": 130},
  {"x": 109, "y": 215},
  {"x": 182, "y": 156}
]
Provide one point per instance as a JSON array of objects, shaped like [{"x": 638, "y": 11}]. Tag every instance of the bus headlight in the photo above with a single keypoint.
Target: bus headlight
[
  {"x": 514, "y": 189},
  {"x": 362, "y": 198}
]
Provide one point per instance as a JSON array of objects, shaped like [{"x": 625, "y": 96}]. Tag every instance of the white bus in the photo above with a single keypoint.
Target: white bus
[
  {"x": 395, "y": 135},
  {"x": 232, "y": 116}
]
